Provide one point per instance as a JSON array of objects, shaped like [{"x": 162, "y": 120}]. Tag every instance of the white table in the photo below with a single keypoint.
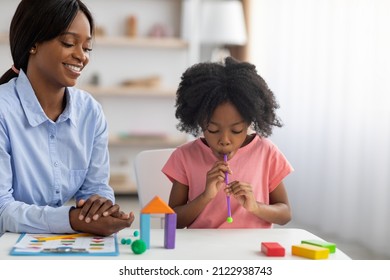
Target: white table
[{"x": 196, "y": 244}]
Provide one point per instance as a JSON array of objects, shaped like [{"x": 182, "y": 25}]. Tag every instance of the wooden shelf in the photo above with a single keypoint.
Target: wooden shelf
[
  {"x": 118, "y": 91},
  {"x": 141, "y": 42},
  {"x": 122, "y": 41}
]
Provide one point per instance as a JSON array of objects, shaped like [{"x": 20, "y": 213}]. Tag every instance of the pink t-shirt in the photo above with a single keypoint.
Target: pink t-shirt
[{"x": 260, "y": 163}]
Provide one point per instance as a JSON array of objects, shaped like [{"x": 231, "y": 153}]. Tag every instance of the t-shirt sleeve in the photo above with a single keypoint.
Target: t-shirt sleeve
[
  {"x": 174, "y": 168},
  {"x": 279, "y": 168}
]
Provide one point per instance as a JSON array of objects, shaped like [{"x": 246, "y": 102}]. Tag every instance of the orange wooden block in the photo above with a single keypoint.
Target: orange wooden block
[{"x": 157, "y": 206}]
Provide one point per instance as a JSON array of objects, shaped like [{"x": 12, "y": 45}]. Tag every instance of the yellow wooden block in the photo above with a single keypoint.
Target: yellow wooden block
[{"x": 310, "y": 251}]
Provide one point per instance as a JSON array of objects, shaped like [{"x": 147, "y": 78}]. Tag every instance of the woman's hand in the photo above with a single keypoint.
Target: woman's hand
[
  {"x": 97, "y": 206},
  {"x": 104, "y": 226}
]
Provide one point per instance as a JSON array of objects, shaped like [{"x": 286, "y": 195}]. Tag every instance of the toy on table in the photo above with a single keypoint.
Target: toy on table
[
  {"x": 158, "y": 206},
  {"x": 310, "y": 251},
  {"x": 272, "y": 249},
  {"x": 324, "y": 244},
  {"x": 229, "y": 218},
  {"x": 128, "y": 241},
  {"x": 138, "y": 246}
]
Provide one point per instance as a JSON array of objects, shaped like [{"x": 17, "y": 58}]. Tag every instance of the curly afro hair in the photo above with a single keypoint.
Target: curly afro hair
[{"x": 206, "y": 85}]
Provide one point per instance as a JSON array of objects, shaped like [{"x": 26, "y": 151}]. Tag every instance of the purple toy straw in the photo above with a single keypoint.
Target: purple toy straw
[{"x": 229, "y": 218}]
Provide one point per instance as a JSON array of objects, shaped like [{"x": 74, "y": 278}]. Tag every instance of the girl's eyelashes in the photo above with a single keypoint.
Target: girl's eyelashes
[{"x": 233, "y": 131}]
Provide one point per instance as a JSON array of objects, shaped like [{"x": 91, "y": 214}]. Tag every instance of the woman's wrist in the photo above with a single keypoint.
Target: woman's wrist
[{"x": 74, "y": 218}]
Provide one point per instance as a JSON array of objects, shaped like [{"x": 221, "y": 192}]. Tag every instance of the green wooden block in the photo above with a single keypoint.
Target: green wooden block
[{"x": 324, "y": 244}]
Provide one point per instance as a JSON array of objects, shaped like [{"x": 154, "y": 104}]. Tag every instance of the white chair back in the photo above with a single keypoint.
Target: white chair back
[{"x": 150, "y": 181}]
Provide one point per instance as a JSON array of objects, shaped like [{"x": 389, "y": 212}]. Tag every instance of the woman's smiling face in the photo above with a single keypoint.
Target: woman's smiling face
[{"x": 61, "y": 60}]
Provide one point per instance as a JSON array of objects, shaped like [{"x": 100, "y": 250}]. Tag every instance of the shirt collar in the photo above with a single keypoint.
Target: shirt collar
[
  {"x": 33, "y": 109},
  {"x": 70, "y": 108}
]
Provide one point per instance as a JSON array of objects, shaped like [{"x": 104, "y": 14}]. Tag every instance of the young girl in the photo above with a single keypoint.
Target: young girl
[
  {"x": 53, "y": 137},
  {"x": 232, "y": 106}
]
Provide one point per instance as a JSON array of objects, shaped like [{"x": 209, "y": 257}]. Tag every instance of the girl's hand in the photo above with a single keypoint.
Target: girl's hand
[
  {"x": 97, "y": 206},
  {"x": 243, "y": 193},
  {"x": 216, "y": 178}
]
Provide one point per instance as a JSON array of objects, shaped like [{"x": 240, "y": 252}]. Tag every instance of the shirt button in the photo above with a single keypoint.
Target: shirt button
[
  {"x": 57, "y": 191},
  {"x": 52, "y": 136},
  {"x": 56, "y": 163}
]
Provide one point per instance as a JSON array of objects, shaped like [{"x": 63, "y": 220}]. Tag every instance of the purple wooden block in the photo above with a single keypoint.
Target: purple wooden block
[{"x": 170, "y": 231}]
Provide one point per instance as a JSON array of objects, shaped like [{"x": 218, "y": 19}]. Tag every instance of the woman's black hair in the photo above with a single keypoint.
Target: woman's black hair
[
  {"x": 37, "y": 21},
  {"x": 207, "y": 85}
]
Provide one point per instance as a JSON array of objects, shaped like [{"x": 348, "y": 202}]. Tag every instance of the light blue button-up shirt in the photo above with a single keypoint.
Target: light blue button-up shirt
[{"x": 43, "y": 164}]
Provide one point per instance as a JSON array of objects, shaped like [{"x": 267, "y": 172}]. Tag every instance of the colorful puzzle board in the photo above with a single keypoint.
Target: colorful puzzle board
[{"x": 30, "y": 245}]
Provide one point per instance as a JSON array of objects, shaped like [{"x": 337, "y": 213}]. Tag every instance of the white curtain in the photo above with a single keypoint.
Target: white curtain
[{"x": 328, "y": 63}]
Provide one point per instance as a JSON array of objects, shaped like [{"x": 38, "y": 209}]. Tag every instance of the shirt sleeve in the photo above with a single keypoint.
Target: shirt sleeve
[
  {"x": 97, "y": 177},
  {"x": 16, "y": 216},
  {"x": 279, "y": 167},
  {"x": 174, "y": 168}
]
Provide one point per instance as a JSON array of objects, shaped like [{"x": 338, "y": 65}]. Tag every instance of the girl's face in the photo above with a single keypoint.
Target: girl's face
[
  {"x": 226, "y": 131},
  {"x": 59, "y": 62}
]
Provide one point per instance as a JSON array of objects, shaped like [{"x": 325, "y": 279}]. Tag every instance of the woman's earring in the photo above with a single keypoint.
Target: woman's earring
[{"x": 33, "y": 50}]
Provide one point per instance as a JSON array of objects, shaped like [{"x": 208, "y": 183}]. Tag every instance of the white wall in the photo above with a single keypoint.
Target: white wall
[
  {"x": 328, "y": 62},
  {"x": 7, "y": 9}
]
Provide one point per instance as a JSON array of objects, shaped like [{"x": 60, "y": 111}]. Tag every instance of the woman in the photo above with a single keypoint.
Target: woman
[{"x": 53, "y": 137}]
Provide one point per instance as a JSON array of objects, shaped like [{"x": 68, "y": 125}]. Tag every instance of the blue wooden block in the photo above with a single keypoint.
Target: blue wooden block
[{"x": 145, "y": 229}]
